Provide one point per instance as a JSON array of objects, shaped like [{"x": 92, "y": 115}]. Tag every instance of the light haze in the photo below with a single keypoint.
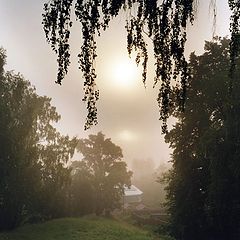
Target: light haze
[{"x": 127, "y": 112}]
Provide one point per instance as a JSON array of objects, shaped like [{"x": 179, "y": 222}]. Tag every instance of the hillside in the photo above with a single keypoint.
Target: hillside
[{"x": 90, "y": 228}]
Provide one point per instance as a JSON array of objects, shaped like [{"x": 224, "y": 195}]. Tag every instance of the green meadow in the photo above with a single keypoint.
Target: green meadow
[{"x": 86, "y": 228}]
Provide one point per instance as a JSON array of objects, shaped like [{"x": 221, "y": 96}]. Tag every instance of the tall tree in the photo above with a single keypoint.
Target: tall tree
[
  {"x": 164, "y": 22},
  {"x": 109, "y": 173},
  {"x": 32, "y": 153},
  {"x": 203, "y": 191}
]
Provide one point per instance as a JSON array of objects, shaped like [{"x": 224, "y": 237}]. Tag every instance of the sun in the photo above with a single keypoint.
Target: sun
[{"x": 124, "y": 72}]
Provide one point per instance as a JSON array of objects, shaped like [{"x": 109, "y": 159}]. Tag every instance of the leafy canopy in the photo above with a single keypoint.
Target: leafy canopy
[
  {"x": 105, "y": 170},
  {"x": 203, "y": 185},
  {"x": 33, "y": 154}
]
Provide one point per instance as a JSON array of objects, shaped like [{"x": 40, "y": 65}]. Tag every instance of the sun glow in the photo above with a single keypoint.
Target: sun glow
[{"x": 124, "y": 72}]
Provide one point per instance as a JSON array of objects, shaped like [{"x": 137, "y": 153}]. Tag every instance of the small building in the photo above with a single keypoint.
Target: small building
[{"x": 132, "y": 197}]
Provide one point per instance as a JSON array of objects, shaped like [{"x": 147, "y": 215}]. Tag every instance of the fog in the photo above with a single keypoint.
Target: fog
[{"x": 126, "y": 114}]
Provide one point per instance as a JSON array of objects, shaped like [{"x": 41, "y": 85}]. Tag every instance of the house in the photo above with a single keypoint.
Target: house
[{"x": 132, "y": 197}]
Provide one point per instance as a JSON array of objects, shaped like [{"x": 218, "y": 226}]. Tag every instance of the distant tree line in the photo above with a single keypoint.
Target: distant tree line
[
  {"x": 35, "y": 180},
  {"x": 204, "y": 184}
]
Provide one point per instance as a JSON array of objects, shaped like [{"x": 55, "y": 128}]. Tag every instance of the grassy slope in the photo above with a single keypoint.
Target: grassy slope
[{"x": 90, "y": 228}]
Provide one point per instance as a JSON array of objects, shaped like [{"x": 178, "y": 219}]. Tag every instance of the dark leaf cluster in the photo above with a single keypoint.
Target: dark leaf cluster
[
  {"x": 33, "y": 175},
  {"x": 203, "y": 185}
]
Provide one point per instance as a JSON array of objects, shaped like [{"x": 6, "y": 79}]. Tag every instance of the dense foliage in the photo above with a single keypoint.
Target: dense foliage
[
  {"x": 204, "y": 184},
  {"x": 99, "y": 179},
  {"x": 33, "y": 176}
]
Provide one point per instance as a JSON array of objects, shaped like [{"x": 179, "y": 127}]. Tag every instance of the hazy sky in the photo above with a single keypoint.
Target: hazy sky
[{"x": 128, "y": 112}]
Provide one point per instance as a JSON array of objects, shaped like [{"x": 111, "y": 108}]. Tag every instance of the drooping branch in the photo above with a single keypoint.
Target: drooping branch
[
  {"x": 164, "y": 22},
  {"x": 235, "y": 34},
  {"x": 56, "y": 24}
]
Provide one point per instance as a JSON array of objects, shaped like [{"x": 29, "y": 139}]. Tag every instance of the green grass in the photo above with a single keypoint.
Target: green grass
[{"x": 87, "y": 228}]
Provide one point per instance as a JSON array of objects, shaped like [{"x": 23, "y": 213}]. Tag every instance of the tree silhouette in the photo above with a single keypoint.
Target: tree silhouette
[
  {"x": 108, "y": 172},
  {"x": 33, "y": 155},
  {"x": 203, "y": 185}
]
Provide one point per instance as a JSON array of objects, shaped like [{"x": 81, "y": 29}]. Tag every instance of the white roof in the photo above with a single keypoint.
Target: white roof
[{"x": 132, "y": 191}]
